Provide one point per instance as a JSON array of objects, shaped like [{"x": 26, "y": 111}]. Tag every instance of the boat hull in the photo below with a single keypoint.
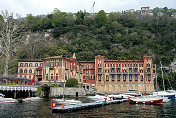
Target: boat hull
[{"x": 146, "y": 102}]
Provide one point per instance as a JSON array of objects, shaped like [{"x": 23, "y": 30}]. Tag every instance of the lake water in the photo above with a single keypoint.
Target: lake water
[{"x": 40, "y": 109}]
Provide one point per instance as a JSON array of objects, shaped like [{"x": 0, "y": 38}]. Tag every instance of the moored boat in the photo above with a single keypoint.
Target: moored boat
[
  {"x": 164, "y": 94},
  {"x": 7, "y": 100},
  {"x": 146, "y": 100}
]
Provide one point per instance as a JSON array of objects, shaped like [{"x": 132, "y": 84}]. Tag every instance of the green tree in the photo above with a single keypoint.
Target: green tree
[
  {"x": 101, "y": 18},
  {"x": 72, "y": 82}
]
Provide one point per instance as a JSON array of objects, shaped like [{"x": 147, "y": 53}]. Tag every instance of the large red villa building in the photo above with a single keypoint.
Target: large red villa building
[{"x": 113, "y": 76}]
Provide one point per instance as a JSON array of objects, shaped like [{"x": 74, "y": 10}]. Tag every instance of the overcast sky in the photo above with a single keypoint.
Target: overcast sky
[{"x": 39, "y": 7}]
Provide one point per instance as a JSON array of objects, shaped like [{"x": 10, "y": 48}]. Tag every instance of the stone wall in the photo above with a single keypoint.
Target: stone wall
[{"x": 67, "y": 91}]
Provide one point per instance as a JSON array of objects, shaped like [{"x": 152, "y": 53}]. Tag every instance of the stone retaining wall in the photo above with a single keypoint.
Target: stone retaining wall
[{"x": 68, "y": 91}]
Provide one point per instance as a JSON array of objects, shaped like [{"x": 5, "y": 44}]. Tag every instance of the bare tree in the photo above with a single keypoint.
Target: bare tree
[{"x": 10, "y": 37}]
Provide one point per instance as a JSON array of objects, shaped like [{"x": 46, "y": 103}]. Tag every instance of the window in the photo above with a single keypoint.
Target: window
[
  {"x": 149, "y": 78},
  {"x": 91, "y": 66},
  {"x": 118, "y": 65},
  {"x": 124, "y": 70},
  {"x": 87, "y": 66},
  {"x": 52, "y": 65},
  {"x": 25, "y": 71},
  {"x": 21, "y": 70},
  {"x": 99, "y": 78},
  {"x": 124, "y": 78},
  {"x": 99, "y": 65},
  {"x": 130, "y": 70},
  {"x": 38, "y": 72},
  {"x": 124, "y": 65},
  {"x": 141, "y": 71},
  {"x": 129, "y": 65},
  {"x": 99, "y": 70},
  {"x": 118, "y": 77},
  {"x": 87, "y": 77},
  {"x": 130, "y": 78},
  {"x": 118, "y": 70},
  {"x": 30, "y": 71},
  {"x": 107, "y": 78},
  {"x": 65, "y": 76},
  {"x": 56, "y": 76},
  {"x": 87, "y": 72},
  {"x": 135, "y": 70},
  {"x": 112, "y": 65},
  {"x": 112, "y": 70},
  {"x": 36, "y": 64},
  {"x": 41, "y": 65},
  {"x": 141, "y": 78},
  {"x": 21, "y": 64},
  {"x": 148, "y": 69},
  {"x": 136, "y": 78},
  {"x": 51, "y": 76},
  {"x": 112, "y": 77},
  {"x": 106, "y": 65},
  {"x": 92, "y": 72},
  {"x": 107, "y": 71},
  {"x": 26, "y": 64},
  {"x": 47, "y": 64},
  {"x": 57, "y": 64},
  {"x": 141, "y": 65},
  {"x": 30, "y": 65},
  {"x": 148, "y": 65},
  {"x": 46, "y": 76},
  {"x": 135, "y": 65}
]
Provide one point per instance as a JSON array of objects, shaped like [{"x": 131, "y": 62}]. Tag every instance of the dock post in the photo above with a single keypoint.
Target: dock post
[
  {"x": 53, "y": 104},
  {"x": 110, "y": 98},
  {"x": 62, "y": 105},
  {"x": 105, "y": 99}
]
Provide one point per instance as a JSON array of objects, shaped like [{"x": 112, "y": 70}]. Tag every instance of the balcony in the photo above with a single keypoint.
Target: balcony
[
  {"x": 52, "y": 67},
  {"x": 134, "y": 73},
  {"x": 81, "y": 71},
  {"x": 66, "y": 68},
  {"x": 100, "y": 73},
  {"x": 113, "y": 67},
  {"x": 148, "y": 67},
  {"x": 149, "y": 73},
  {"x": 99, "y": 66}
]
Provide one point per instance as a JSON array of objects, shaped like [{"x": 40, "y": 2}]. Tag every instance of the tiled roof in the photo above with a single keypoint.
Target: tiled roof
[{"x": 30, "y": 60}]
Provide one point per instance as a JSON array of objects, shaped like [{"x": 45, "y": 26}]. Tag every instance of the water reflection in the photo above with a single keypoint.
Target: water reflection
[{"x": 41, "y": 109}]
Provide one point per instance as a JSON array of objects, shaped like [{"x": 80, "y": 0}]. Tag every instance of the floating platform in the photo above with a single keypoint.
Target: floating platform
[{"x": 77, "y": 107}]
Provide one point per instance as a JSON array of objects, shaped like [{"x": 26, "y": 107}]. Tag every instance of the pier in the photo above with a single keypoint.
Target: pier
[{"x": 77, "y": 107}]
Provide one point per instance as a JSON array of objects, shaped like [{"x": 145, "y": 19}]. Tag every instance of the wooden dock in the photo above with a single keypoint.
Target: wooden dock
[{"x": 77, "y": 107}]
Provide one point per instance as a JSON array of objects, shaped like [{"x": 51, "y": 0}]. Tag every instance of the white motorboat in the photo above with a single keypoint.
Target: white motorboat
[
  {"x": 65, "y": 101},
  {"x": 164, "y": 94},
  {"x": 172, "y": 91},
  {"x": 98, "y": 98},
  {"x": 31, "y": 99},
  {"x": 7, "y": 100},
  {"x": 125, "y": 95}
]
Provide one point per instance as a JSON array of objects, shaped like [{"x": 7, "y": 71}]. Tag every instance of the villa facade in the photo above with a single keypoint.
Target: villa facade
[{"x": 112, "y": 76}]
